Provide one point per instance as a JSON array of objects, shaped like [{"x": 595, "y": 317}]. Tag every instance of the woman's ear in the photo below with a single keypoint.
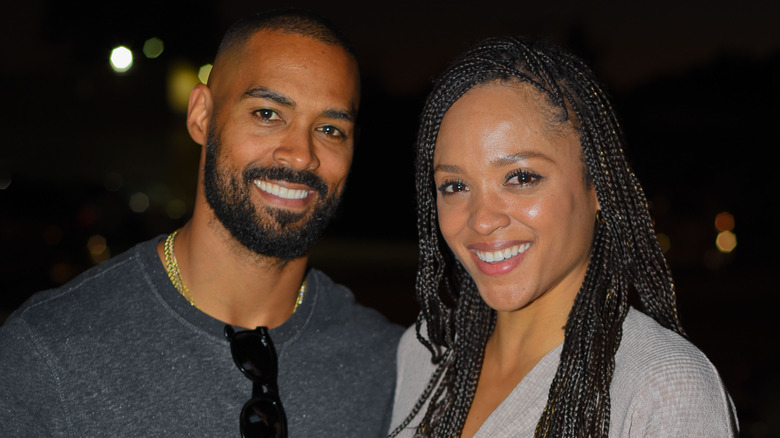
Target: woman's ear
[{"x": 199, "y": 113}]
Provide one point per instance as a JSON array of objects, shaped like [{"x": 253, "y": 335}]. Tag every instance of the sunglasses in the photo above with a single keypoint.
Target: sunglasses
[{"x": 254, "y": 354}]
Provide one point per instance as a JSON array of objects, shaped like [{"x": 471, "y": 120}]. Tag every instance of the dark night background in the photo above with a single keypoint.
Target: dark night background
[{"x": 696, "y": 85}]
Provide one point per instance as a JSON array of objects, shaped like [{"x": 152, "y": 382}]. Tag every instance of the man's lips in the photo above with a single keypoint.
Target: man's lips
[{"x": 281, "y": 191}]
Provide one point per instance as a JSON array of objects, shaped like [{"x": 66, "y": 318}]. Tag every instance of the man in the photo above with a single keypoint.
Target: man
[{"x": 138, "y": 346}]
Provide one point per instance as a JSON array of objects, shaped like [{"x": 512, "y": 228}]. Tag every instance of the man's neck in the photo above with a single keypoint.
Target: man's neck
[{"x": 231, "y": 283}]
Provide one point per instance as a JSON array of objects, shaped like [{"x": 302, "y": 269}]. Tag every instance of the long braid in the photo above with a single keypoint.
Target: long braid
[{"x": 625, "y": 254}]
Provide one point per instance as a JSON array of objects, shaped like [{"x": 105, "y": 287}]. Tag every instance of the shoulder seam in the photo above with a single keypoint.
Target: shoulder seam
[
  {"x": 57, "y": 380},
  {"x": 70, "y": 288}
]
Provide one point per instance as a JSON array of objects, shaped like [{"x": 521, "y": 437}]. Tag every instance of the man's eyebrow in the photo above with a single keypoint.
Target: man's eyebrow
[
  {"x": 264, "y": 93},
  {"x": 341, "y": 115}
]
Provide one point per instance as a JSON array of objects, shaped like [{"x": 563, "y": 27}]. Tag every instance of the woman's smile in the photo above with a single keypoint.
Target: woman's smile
[{"x": 501, "y": 255}]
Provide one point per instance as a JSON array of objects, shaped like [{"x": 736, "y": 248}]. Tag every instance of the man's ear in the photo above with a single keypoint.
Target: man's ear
[{"x": 199, "y": 113}]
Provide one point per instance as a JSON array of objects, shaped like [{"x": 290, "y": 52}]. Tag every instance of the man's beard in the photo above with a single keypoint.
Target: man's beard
[{"x": 272, "y": 232}]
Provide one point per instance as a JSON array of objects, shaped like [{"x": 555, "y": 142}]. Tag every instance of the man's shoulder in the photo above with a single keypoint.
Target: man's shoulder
[
  {"x": 89, "y": 290},
  {"x": 337, "y": 304}
]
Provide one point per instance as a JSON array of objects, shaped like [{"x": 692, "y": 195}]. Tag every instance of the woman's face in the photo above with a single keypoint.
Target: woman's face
[{"x": 512, "y": 200}]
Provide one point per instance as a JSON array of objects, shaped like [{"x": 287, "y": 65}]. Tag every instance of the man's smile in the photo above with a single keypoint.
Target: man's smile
[{"x": 280, "y": 191}]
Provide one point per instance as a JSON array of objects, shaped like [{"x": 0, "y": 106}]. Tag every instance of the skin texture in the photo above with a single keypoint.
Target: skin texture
[
  {"x": 279, "y": 100},
  {"x": 510, "y": 177}
]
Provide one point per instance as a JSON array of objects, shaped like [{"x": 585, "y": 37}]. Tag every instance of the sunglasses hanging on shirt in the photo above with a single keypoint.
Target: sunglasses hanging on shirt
[{"x": 254, "y": 354}]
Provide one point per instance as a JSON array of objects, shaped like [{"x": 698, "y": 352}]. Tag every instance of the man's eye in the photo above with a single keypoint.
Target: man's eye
[
  {"x": 267, "y": 114},
  {"x": 331, "y": 131}
]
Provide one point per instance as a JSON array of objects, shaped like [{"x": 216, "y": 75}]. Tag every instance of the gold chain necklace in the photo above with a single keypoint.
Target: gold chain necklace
[{"x": 172, "y": 269}]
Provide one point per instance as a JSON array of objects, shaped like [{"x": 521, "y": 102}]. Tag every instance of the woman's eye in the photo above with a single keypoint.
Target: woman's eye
[
  {"x": 332, "y": 131},
  {"x": 523, "y": 178},
  {"x": 267, "y": 114},
  {"x": 453, "y": 187}
]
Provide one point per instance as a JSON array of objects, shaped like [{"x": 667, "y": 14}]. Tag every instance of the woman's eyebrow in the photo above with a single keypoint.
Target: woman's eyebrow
[
  {"x": 520, "y": 156},
  {"x": 449, "y": 168},
  {"x": 506, "y": 160}
]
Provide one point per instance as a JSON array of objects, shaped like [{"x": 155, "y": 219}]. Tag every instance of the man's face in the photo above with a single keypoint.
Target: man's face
[{"x": 280, "y": 141}]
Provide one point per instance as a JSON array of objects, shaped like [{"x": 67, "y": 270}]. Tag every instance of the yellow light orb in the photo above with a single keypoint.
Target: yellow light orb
[{"x": 726, "y": 241}]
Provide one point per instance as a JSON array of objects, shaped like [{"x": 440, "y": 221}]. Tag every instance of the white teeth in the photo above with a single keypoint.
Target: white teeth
[
  {"x": 500, "y": 256},
  {"x": 280, "y": 191}
]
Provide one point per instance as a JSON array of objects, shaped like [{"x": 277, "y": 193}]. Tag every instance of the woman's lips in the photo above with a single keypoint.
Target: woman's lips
[
  {"x": 501, "y": 255},
  {"x": 498, "y": 258}
]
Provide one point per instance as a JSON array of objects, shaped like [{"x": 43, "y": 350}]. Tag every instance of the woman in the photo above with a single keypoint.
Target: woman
[{"x": 533, "y": 234}]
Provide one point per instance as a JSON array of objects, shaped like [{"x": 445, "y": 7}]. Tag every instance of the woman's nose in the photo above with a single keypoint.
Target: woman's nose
[{"x": 487, "y": 213}]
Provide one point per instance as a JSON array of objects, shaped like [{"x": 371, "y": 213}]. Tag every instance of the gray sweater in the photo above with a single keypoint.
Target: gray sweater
[
  {"x": 663, "y": 386},
  {"x": 118, "y": 352}
]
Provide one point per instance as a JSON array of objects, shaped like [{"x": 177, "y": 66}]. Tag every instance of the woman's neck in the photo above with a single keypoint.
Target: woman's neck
[{"x": 519, "y": 341}]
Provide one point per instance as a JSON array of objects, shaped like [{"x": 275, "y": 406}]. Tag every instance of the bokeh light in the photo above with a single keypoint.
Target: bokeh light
[
  {"x": 181, "y": 79},
  {"x": 139, "y": 202},
  {"x": 726, "y": 241},
  {"x": 121, "y": 59},
  {"x": 5, "y": 181},
  {"x": 724, "y": 221},
  {"x": 61, "y": 272},
  {"x": 98, "y": 249},
  {"x": 176, "y": 208},
  {"x": 204, "y": 73},
  {"x": 664, "y": 242},
  {"x": 87, "y": 216},
  {"x": 96, "y": 244},
  {"x": 153, "y": 47}
]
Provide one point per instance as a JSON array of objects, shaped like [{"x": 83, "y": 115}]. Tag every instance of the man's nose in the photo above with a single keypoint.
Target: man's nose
[{"x": 297, "y": 151}]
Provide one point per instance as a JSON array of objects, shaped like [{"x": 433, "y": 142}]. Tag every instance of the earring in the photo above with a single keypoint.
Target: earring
[{"x": 599, "y": 218}]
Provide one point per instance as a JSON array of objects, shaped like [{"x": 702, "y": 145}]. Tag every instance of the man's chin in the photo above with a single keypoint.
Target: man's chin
[{"x": 282, "y": 219}]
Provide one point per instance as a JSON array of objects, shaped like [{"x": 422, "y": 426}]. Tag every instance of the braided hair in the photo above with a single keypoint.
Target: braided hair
[{"x": 625, "y": 254}]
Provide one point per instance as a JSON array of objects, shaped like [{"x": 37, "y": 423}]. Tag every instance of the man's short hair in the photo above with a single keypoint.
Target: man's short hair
[{"x": 289, "y": 20}]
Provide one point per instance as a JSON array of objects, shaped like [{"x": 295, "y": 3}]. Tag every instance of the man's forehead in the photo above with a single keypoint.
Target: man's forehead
[
  {"x": 286, "y": 64},
  {"x": 273, "y": 44},
  {"x": 271, "y": 48}
]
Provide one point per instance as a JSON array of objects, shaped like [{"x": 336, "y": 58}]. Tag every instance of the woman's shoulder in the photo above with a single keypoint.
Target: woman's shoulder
[
  {"x": 414, "y": 371},
  {"x": 649, "y": 348},
  {"x": 411, "y": 352},
  {"x": 663, "y": 381}
]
